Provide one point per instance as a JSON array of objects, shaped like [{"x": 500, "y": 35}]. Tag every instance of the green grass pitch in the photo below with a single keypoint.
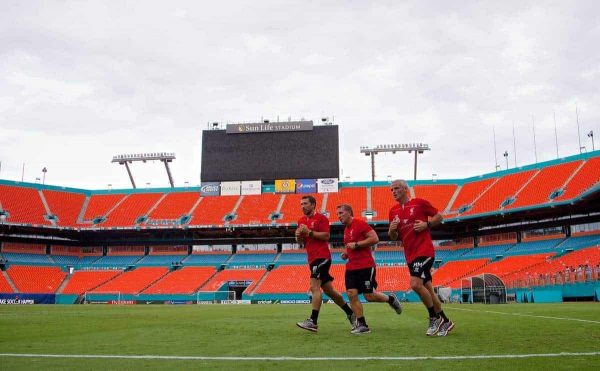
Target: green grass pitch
[{"x": 270, "y": 331}]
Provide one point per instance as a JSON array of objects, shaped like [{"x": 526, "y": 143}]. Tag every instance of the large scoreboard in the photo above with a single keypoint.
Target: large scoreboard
[{"x": 269, "y": 151}]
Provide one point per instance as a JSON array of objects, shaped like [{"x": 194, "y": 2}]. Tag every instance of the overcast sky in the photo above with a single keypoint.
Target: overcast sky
[{"x": 83, "y": 81}]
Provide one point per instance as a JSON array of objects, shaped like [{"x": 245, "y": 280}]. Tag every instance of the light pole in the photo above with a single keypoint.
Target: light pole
[
  {"x": 506, "y": 158},
  {"x": 418, "y": 148},
  {"x": 591, "y": 135},
  {"x": 44, "y": 171}
]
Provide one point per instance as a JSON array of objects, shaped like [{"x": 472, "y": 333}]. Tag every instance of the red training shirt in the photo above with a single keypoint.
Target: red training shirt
[
  {"x": 415, "y": 244},
  {"x": 315, "y": 249},
  {"x": 361, "y": 257}
]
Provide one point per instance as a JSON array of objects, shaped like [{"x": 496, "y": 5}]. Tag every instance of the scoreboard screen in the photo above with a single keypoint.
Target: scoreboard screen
[{"x": 266, "y": 156}]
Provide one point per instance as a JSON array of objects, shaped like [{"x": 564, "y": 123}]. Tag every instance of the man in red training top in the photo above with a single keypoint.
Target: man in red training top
[
  {"x": 361, "y": 270},
  {"x": 313, "y": 232},
  {"x": 410, "y": 221}
]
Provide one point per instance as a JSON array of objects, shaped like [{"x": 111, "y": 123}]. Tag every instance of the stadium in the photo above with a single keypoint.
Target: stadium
[{"x": 524, "y": 235}]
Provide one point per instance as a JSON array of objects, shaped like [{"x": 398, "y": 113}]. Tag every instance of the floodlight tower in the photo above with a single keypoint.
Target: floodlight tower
[
  {"x": 418, "y": 148},
  {"x": 164, "y": 157}
]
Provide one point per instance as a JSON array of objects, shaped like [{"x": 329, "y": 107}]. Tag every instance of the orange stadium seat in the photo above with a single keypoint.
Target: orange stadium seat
[
  {"x": 290, "y": 208},
  {"x": 381, "y": 202},
  {"x": 469, "y": 192},
  {"x": 174, "y": 205},
  {"x": 255, "y": 209},
  {"x": 586, "y": 177},
  {"x": 438, "y": 195},
  {"x": 133, "y": 282},
  {"x": 4, "y": 285},
  {"x": 212, "y": 210},
  {"x": 82, "y": 281},
  {"x": 512, "y": 264},
  {"x": 183, "y": 281},
  {"x": 547, "y": 181},
  {"x": 354, "y": 196},
  {"x": 65, "y": 205},
  {"x": 99, "y": 205},
  {"x": 285, "y": 279},
  {"x": 38, "y": 280},
  {"x": 223, "y": 276},
  {"x": 504, "y": 188},
  {"x": 23, "y": 205},
  {"x": 133, "y": 207},
  {"x": 451, "y": 272},
  {"x": 393, "y": 278}
]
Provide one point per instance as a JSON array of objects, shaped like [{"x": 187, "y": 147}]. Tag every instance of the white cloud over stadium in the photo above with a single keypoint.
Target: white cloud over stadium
[{"x": 81, "y": 82}]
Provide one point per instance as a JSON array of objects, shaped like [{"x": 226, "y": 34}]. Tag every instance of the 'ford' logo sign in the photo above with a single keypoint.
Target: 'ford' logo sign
[
  {"x": 327, "y": 181},
  {"x": 209, "y": 188}
]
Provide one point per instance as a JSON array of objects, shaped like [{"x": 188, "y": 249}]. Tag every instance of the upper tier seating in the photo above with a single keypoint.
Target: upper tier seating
[
  {"x": 291, "y": 211},
  {"x": 486, "y": 251},
  {"x": 183, "y": 281},
  {"x": 99, "y": 205},
  {"x": 438, "y": 195},
  {"x": 174, "y": 206},
  {"x": 292, "y": 258},
  {"x": 23, "y": 205},
  {"x": 13, "y": 257},
  {"x": 128, "y": 212},
  {"x": 255, "y": 209},
  {"x": 586, "y": 178},
  {"x": 504, "y": 188},
  {"x": 534, "y": 247},
  {"x": 66, "y": 206},
  {"x": 160, "y": 260},
  {"x": 354, "y": 196},
  {"x": 117, "y": 261},
  {"x": 212, "y": 210},
  {"x": 468, "y": 193},
  {"x": 251, "y": 259},
  {"x": 548, "y": 180},
  {"x": 38, "y": 280}
]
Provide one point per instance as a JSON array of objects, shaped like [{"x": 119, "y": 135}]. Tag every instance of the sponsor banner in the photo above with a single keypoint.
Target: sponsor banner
[
  {"x": 239, "y": 283},
  {"x": 269, "y": 127},
  {"x": 122, "y": 302},
  {"x": 251, "y": 187},
  {"x": 234, "y": 301},
  {"x": 295, "y": 301},
  {"x": 306, "y": 186},
  {"x": 209, "y": 188},
  {"x": 285, "y": 185},
  {"x": 26, "y": 299},
  {"x": 276, "y": 301},
  {"x": 230, "y": 188},
  {"x": 327, "y": 185}
]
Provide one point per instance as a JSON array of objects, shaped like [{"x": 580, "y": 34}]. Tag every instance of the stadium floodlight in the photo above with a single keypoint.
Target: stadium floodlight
[
  {"x": 591, "y": 135},
  {"x": 418, "y": 148},
  {"x": 164, "y": 157}
]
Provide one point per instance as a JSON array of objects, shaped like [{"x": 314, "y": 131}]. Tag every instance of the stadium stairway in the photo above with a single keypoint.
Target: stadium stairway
[
  {"x": 155, "y": 281},
  {"x": 253, "y": 287},
  {"x": 206, "y": 280},
  {"x": 86, "y": 202},
  {"x": 10, "y": 282},
  {"x": 64, "y": 283},
  {"x": 452, "y": 199},
  {"x": 153, "y": 207}
]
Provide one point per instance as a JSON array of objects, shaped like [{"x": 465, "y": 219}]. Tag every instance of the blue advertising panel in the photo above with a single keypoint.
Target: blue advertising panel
[{"x": 306, "y": 186}]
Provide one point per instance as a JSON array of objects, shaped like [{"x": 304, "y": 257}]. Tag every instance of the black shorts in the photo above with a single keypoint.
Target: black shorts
[
  {"x": 421, "y": 267},
  {"x": 319, "y": 269},
  {"x": 363, "y": 280}
]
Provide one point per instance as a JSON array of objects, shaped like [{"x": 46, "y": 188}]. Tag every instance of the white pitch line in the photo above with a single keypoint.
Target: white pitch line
[
  {"x": 525, "y": 315},
  {"x": 291, "y": 358}
]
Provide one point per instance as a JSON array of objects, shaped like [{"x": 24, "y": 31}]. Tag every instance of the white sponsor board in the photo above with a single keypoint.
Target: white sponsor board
[
  {"x": 251, "y": 187},
  {"x": 230, "y": 188},
  {"x": 327, "y": 185}
]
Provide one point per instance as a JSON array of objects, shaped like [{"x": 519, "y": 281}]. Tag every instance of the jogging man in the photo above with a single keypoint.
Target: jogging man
[
  {"x": 313, "y": 232},
  {"x": 411, "y": 221},
  {"x": 359, "y": 237}
]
